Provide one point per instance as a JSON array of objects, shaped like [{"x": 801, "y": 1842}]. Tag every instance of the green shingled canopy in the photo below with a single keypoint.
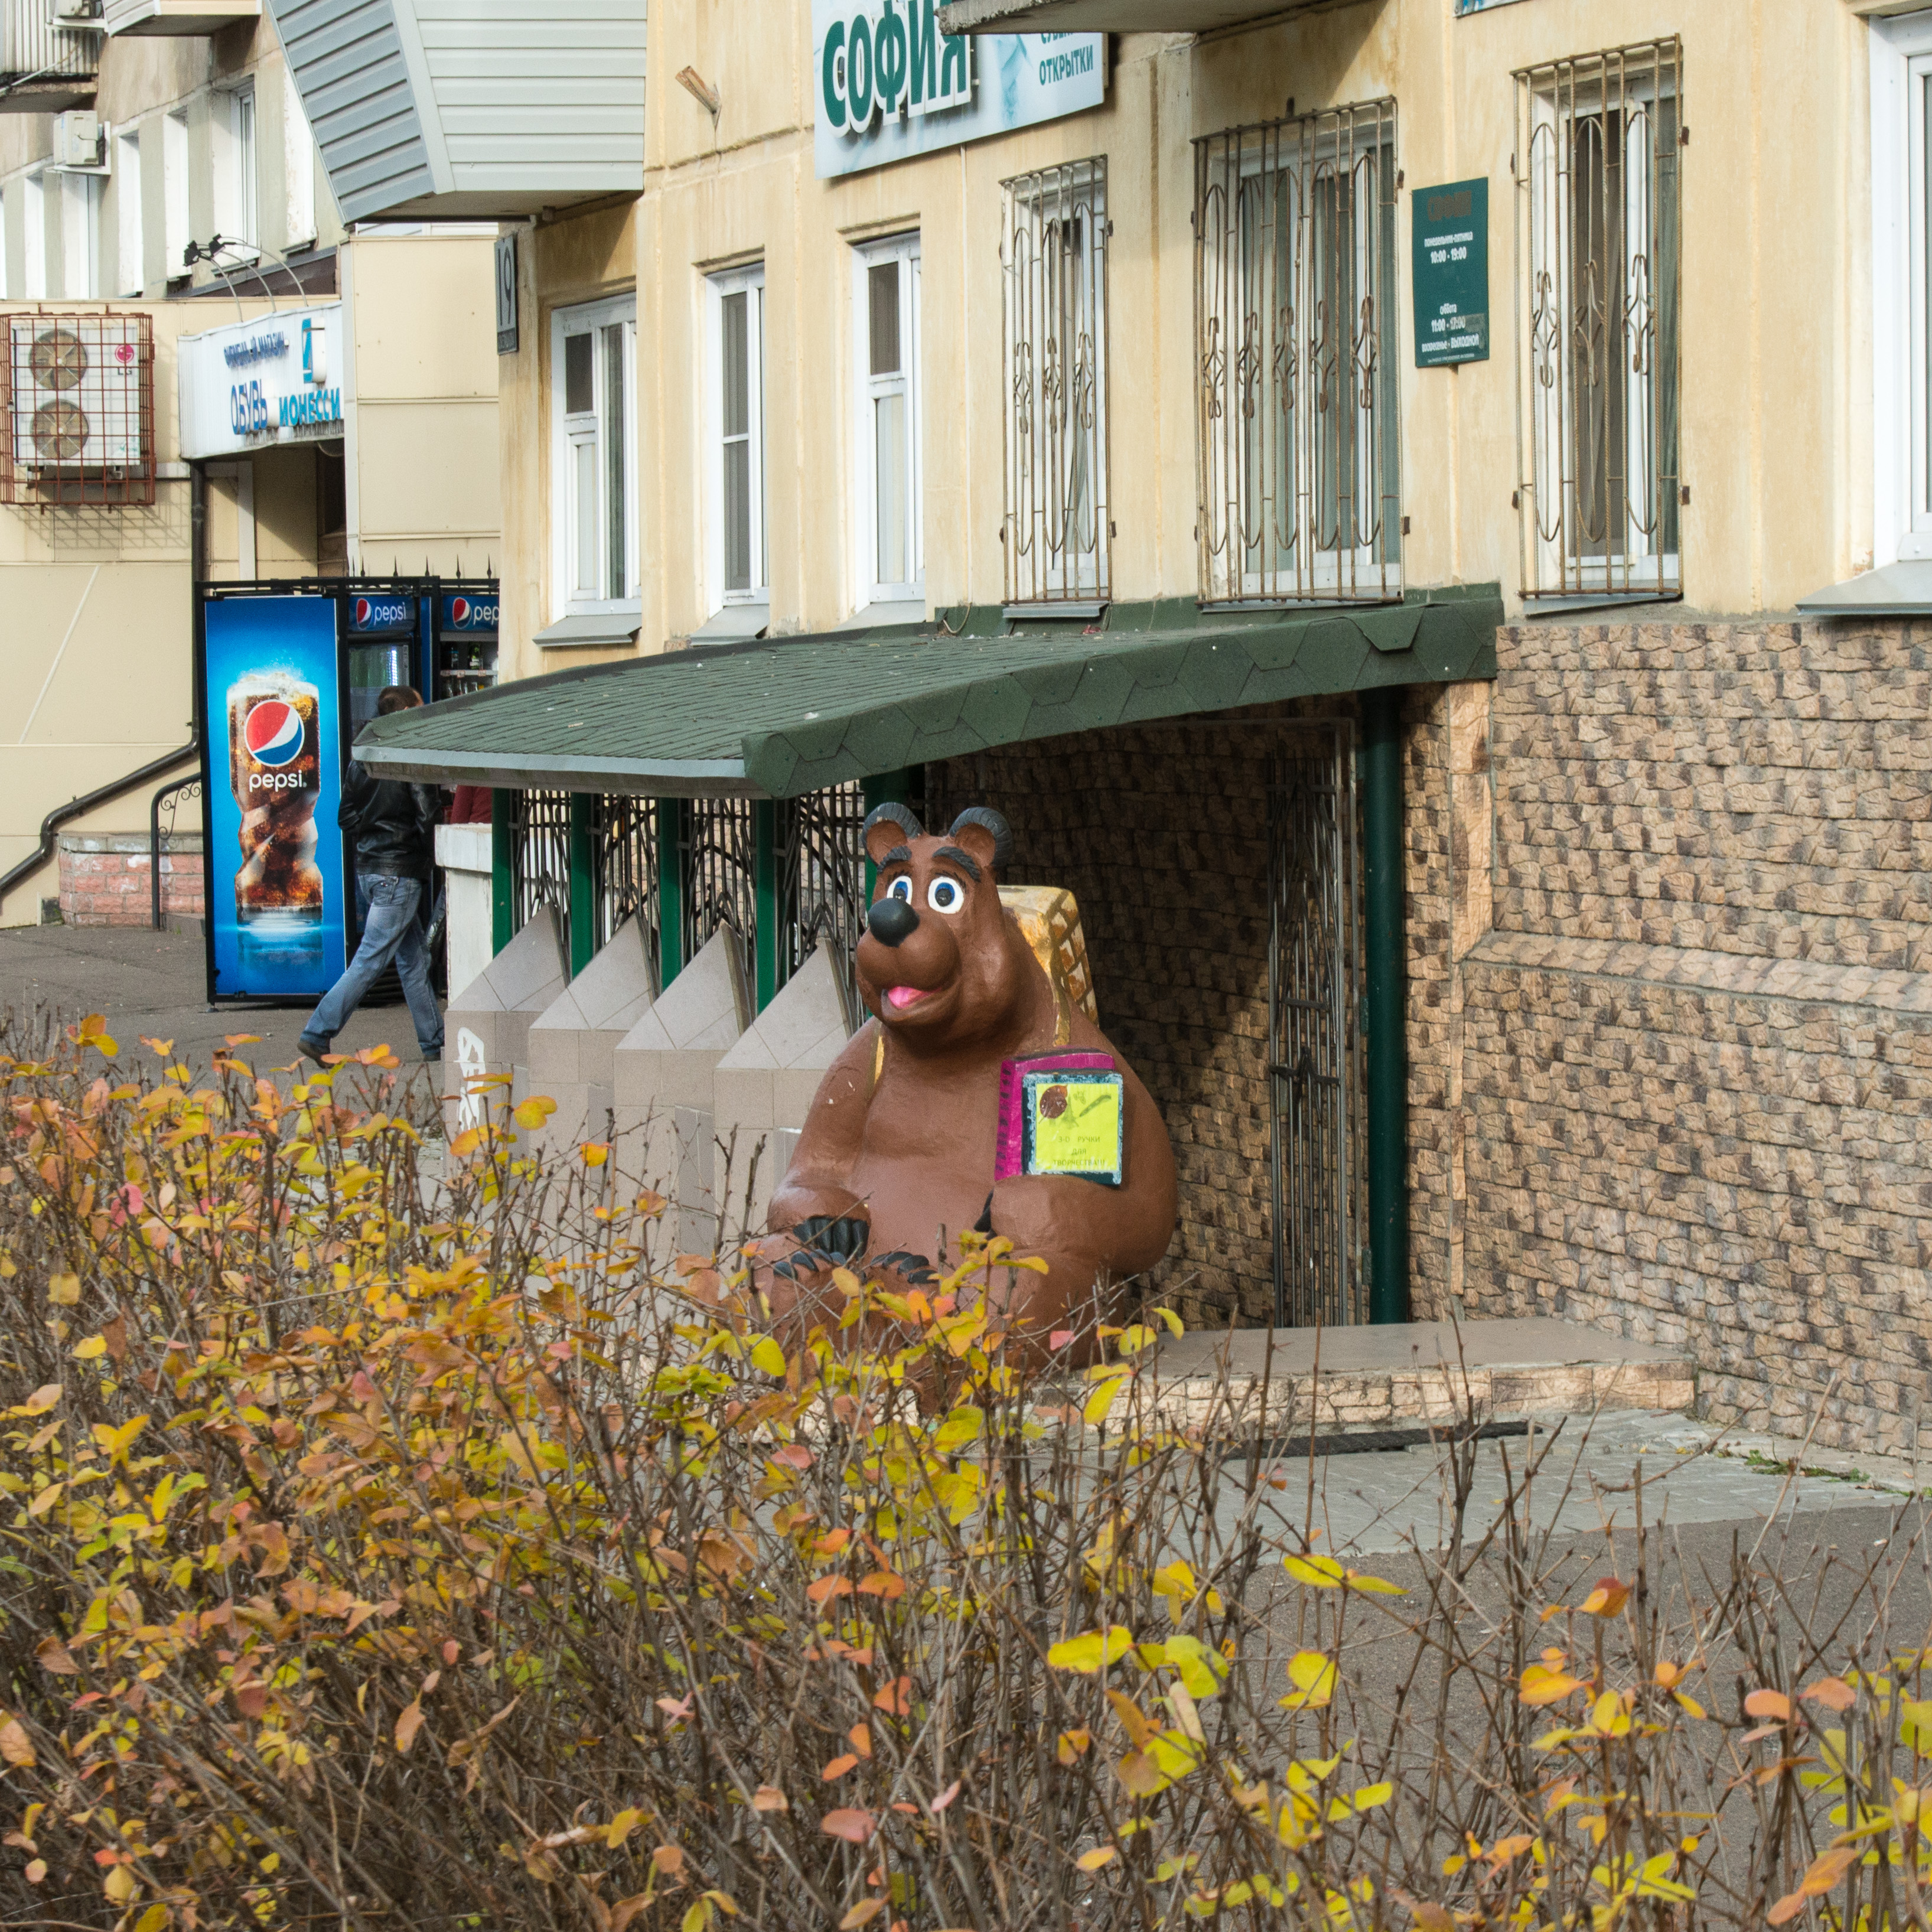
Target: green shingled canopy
[{"x": 783, "y": 718}]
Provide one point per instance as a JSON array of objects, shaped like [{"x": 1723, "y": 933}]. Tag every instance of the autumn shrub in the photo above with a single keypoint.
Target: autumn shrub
[{"x": 404, "y": 1536}]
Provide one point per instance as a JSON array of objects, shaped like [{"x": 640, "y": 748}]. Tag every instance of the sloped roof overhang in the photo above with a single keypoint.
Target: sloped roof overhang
[{"x": 779, "y": 719}]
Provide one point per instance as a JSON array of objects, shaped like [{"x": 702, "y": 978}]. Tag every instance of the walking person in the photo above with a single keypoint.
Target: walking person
[{"x": 394, "y": 826}]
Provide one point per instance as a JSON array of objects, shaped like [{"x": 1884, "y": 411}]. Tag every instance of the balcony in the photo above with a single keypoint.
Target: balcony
[
  {"x": 177, "y": 17},
  {"x": 46, "y": 66},
  {"x": 461, "y": 110},
  {"x": 1117, "y": 16}
]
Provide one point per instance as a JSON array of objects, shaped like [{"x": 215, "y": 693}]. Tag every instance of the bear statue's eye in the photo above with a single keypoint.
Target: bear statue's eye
[
  {"x": 900, "y": 889},
  {"x": 945, "y": 895}
]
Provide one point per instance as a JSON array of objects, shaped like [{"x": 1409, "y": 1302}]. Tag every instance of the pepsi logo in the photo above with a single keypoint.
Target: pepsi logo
[
  {"x": 273, "y": 732},
  {"x": 361, "y": 610},
  {"x": 459, "y": 610}
]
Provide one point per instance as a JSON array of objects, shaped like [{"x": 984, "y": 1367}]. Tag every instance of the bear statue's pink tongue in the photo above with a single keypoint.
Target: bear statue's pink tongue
[{"x": 905, "y": 996}]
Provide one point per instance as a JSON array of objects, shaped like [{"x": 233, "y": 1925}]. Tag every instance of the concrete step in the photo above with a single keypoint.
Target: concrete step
[{"x": 1333, "y": 1379}]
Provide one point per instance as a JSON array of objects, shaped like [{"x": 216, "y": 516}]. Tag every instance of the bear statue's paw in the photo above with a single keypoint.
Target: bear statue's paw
[
  {"x": 825, "y": 1240},
  {"x": 917, "y": 1270}
]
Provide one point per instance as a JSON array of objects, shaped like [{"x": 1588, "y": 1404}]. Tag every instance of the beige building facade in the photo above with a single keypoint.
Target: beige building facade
[
  {"x": 187, "y": 141},
  {"x": 1048, "y": 460}
]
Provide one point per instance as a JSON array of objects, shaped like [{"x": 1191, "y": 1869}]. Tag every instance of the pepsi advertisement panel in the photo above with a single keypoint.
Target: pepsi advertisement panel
[
  {"x": 377, "y": 614},
  {"x": 471, "y": 612},
  {"x": 275, "y": 883}
]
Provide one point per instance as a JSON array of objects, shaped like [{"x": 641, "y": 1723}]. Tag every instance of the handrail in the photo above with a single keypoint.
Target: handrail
[
  {"x": 173, "y": 785},
  {"x": 105, "y": 794}
]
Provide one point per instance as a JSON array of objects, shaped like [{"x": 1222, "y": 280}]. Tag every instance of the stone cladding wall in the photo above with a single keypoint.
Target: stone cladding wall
[{"x": 1695, "y": 1051}]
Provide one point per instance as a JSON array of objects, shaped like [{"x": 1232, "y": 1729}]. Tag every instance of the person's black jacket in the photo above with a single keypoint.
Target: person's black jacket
[{"x": 394, "y": 824}]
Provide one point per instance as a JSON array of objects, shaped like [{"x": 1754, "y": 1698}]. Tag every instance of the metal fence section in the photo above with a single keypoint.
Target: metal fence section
[
  {"x": 1053, "y": 251},
  {"x": 718, "y": 864},
  {"x": 77, "y": 409},
  {"x": 624, "y": 869},
  {"x": 540, "y": 859},
  {"x": 1597, "y": 166},
  {"x": 1319, "y": 1165},
  {"x": 1294, "y": 240},
  {"x": 821, "y": 869}
]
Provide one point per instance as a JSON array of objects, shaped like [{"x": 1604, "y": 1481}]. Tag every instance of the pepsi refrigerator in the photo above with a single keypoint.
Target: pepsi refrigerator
[{"x": 287, "y": 674}]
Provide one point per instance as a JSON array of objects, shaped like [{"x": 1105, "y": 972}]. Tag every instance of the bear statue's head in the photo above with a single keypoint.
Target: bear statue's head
[{"x": 940, "y": 962}]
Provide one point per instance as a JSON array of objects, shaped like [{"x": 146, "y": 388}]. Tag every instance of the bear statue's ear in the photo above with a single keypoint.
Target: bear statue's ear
[
  {"x": 981, "y": 831},
  {"x": 886, "y": 826}
]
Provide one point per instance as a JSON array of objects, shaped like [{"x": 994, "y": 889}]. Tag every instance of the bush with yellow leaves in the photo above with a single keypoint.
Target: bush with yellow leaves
[{"x": 389, "y": 1547}]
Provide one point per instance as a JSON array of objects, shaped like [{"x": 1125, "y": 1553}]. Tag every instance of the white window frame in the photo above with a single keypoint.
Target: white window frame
[
  {"x": 238, "y": 206},
  {"x": 130, "y": 231},
  {"x": 177, "y": 218},
  {"x": 80, "y": 236},
  {"x": 1901, "y": 74},
  {"x": 867, "y": 390},
  {"x": 34, "y": 236},
  {"x": 569, "y": 433},
  {"x": 748, "y": 281}
]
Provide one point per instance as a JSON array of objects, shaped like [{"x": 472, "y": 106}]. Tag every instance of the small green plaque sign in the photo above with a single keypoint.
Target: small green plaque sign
[{"x": 1451, "y": 225}]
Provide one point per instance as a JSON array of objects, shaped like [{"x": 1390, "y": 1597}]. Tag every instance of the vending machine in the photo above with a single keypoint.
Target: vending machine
[{"x": 287, "y": 675}]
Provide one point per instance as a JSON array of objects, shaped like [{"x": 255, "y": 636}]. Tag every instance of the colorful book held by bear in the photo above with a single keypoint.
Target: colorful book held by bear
[{"x": 1062, "y": 1112}]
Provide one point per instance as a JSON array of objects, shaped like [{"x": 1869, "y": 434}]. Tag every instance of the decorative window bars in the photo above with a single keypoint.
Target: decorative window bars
[
  {"x": 1295, "y": 242},
  {"x": 1053, "y": 251},
  {"x": 540, "y": 859},
  {"x": 624, "y": 869},
  {"x": 1597, "y": 166},
  {"x": 821, "y": 868},
  {"x": 77, "y": 409},
  {"x": 718, "y": 863}
]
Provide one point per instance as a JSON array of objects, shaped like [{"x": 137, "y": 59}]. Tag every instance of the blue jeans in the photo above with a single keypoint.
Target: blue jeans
[{"x": 391, "y": 930}]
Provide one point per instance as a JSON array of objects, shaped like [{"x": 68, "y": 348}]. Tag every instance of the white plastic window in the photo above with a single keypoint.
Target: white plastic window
[
  {"x": 740, "y": 556},
  {"x": 80, "y": 237},
  {"x": 131, "y": 245},
  {"x": 1901, "y": 102},
  {"x": 593, "y": 351},
  {"x": 298, "y": 168},
  {"x": 888, "y": 433},
  {"x": 174, "y": 191},
  {"x": 34, "y": 237}
]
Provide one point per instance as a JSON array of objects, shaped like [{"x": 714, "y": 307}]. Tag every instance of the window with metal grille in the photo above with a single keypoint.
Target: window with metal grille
[
  {"x": 77, "y": 409},
  {"x": 1596, "y": 167},
  {"x": 624, "y": 868},
  {"x": 540, "y": 858},
  {"x": 1053, "y": 252},
  {"x": 1295, "y": 242}
]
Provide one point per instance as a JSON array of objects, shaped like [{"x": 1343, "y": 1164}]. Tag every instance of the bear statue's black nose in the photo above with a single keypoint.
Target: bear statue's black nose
[{"x": 892, "y": 921}]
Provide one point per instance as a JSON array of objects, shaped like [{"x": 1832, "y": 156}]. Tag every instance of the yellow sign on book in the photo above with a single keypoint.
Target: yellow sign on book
[{"x": 1073, "y": 1124}]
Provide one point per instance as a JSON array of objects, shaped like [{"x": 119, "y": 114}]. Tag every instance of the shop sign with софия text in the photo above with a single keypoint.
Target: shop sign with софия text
[{"x": 888, "y": 85}]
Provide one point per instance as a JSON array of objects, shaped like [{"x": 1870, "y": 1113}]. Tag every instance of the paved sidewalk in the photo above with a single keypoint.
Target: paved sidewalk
[{"x": 153, "y": 983}]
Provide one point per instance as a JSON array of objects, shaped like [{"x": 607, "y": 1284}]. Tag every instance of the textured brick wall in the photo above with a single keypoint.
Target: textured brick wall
[
  {"x": 1696, "y": 1050},
  {"x": 113, "y": 888},
  {"x": 1162, "y": 834}
]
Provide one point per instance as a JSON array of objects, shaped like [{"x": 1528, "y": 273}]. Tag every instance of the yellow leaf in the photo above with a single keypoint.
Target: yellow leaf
[
  {"x": 46, "y": 1500},
  {"x": 595, "y": 1152},
  {"x": 409, "y": 1724},
  {"x": 1140, "y": 1775},
  {"x": 1370, "y": 1796},
  {"x": 534, "y": 1112},
  {"x": 1093, "y": 1652},
  {"x": 1547, "y": 1683},
  {"x": 154, "y": 1919},
  {"x": 63, "y": 1290},
  {"x": 768, "y": 1356},
  {"x": 770, "y": 1798},
  {"x": 1320, "y": 1573},
  {"x": 15, "y": 1747},
  {"x": 1768, "y": 1704},
  {"x": 1101, "y": 1854},
  {"x": 1606, "y": 1599},
  {"x": 621, "y": 1827},
  {"x": 697, "y": 1918},
  {"x": 118, "y": 1884},
  {"x": 863, "y": 1913},
  {"x": 88, "y": 1350},
  {"x": 965, "y": 1424},
  {"x": 1608, "y": 1717},
  {"x": 1313, "y": 1676},
  {"x": 1095, "y": 1408},
  {"x": 42, "y": 1399}
]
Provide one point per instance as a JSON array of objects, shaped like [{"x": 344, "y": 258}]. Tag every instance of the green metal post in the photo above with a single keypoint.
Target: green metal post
[
  {"x": 502, "y": 900},
  {"x": 670, "y": 889},
  {"x": 1386, "y": 938},
  {"x": 886, "y": 788},
  {"x": 583, "y": 884},
  {"x": 765, "y": 895}
]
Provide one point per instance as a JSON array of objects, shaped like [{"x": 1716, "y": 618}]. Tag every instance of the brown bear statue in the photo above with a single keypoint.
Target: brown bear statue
[{"x": 979, "y": 1096}]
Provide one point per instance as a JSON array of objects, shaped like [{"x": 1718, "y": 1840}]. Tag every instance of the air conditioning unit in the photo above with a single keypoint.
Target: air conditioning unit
[
  {"x": 80, "y": 392},
  {"x": 80, "y": 142},
  {"x": 77, "y": 13}
]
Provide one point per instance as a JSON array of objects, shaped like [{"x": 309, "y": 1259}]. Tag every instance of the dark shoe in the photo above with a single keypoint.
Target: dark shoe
[{"x": 312, "y": 1049}]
